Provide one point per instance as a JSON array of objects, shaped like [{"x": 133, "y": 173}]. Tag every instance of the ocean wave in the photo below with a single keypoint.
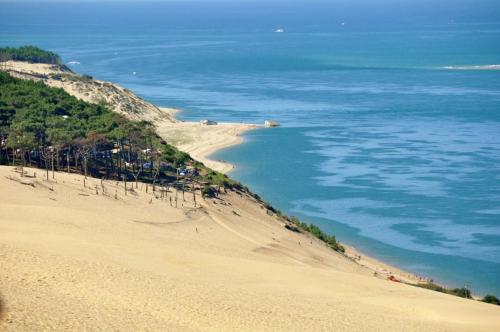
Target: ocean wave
[{"x": 478, "y": 67}]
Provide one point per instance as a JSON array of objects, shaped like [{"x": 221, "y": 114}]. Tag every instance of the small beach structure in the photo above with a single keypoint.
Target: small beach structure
[
  {"x": 207, "y": 122},
  {"x": 187, "y": 171},
  {"x": 271, "y": 123}
]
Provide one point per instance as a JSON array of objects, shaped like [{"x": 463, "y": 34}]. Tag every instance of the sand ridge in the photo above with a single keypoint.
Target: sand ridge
[
  {"x": 74, "y": 259},
  {"x": 86, "y": 88}
]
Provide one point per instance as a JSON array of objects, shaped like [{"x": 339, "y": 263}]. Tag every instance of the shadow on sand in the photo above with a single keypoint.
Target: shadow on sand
[{"x": 2, "y": 307}]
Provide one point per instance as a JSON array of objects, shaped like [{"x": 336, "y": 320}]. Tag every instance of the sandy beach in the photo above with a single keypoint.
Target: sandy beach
[
  {"x": 74, "y": 258},
  {"x": 200, "y": 141}
]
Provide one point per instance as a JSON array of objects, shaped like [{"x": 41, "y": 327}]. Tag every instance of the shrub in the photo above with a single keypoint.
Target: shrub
[
  {"x": 491, "y": 299},
  {"x": 292, "y": 228},
  {"x": 461, "y": 292},
  {"x": 433, "y": 287},
  {"x": 330, "y": 240},
  {"x": 209, "y": 192}
]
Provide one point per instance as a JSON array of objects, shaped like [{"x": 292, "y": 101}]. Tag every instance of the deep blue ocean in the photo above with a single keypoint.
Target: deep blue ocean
[{"x": 389, "y": 139}]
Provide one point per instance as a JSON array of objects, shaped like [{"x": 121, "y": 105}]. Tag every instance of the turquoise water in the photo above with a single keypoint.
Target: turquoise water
[{"x": 380, "y": 144}]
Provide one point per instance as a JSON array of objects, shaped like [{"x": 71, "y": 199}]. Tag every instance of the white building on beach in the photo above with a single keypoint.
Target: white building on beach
[{"x": 271, "y": 123}]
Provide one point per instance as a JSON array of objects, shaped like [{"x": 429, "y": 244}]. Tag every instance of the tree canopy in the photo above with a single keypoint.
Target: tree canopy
[
  {"x": 34, "y": 116},
  {"x": 29, "y": 53}
]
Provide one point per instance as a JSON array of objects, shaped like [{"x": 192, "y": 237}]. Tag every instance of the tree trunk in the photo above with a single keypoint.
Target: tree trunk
[
  {"x": 58, "y": 164},
  {"x": 85, "y": 165},
  {"x": 52, "y": 162},
  {"x": 22, "y": 163},
  {"x": 47, "y": 168},
  {"x": 67, "y": 160},
  {"x": 7, "y": 155}
]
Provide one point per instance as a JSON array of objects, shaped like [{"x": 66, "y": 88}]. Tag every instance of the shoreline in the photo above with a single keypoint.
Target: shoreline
[{"x": 202, "y": 141}]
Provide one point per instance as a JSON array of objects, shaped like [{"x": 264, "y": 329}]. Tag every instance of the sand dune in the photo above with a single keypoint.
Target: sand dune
[
  {"x": 72, "y": 259},
  {"x": 119, "y": 99}
]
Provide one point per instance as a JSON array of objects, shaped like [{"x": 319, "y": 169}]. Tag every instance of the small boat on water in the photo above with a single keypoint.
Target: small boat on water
[{"x": 280, "y": 30}]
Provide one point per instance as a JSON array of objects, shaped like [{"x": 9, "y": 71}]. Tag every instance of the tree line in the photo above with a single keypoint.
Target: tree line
[
  {"x": 47, "y": 128},
  {"x": 29, "y": 53}
]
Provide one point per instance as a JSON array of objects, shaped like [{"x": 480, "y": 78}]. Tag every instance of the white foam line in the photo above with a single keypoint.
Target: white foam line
[{"x": 483, "y": 67}]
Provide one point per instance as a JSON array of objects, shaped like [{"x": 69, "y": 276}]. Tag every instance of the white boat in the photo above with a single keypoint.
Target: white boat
[{"x": 280, "y": 30}]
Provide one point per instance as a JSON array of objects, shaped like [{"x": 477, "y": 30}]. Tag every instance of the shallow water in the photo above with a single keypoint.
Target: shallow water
[{"x": 382, "y": 143}]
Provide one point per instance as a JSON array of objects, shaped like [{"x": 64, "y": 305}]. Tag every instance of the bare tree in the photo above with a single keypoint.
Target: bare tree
[{"x": 22, "y": 141}]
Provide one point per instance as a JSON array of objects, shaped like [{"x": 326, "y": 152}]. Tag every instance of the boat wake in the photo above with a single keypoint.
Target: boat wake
[{"x": 481, "y": 67}]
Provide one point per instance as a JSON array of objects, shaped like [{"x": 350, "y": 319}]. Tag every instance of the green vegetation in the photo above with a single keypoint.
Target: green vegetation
[
  {"x": 295, "y": 225},
  {"x": 209, "y": 192},
  {"x": 491, "y": 299},
  {"x": 330, "y": 240},
  {"x": 461, "y": 292},
  {"x": 221, "y": 180},
  {"x": 31, "y": 54},
  {"x": 46, "y": 127}
]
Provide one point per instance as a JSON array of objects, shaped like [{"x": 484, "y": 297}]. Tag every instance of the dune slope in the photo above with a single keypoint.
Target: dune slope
[
  {"x": 75, "y": 259},
  {"x": 119, "y": 99}
]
